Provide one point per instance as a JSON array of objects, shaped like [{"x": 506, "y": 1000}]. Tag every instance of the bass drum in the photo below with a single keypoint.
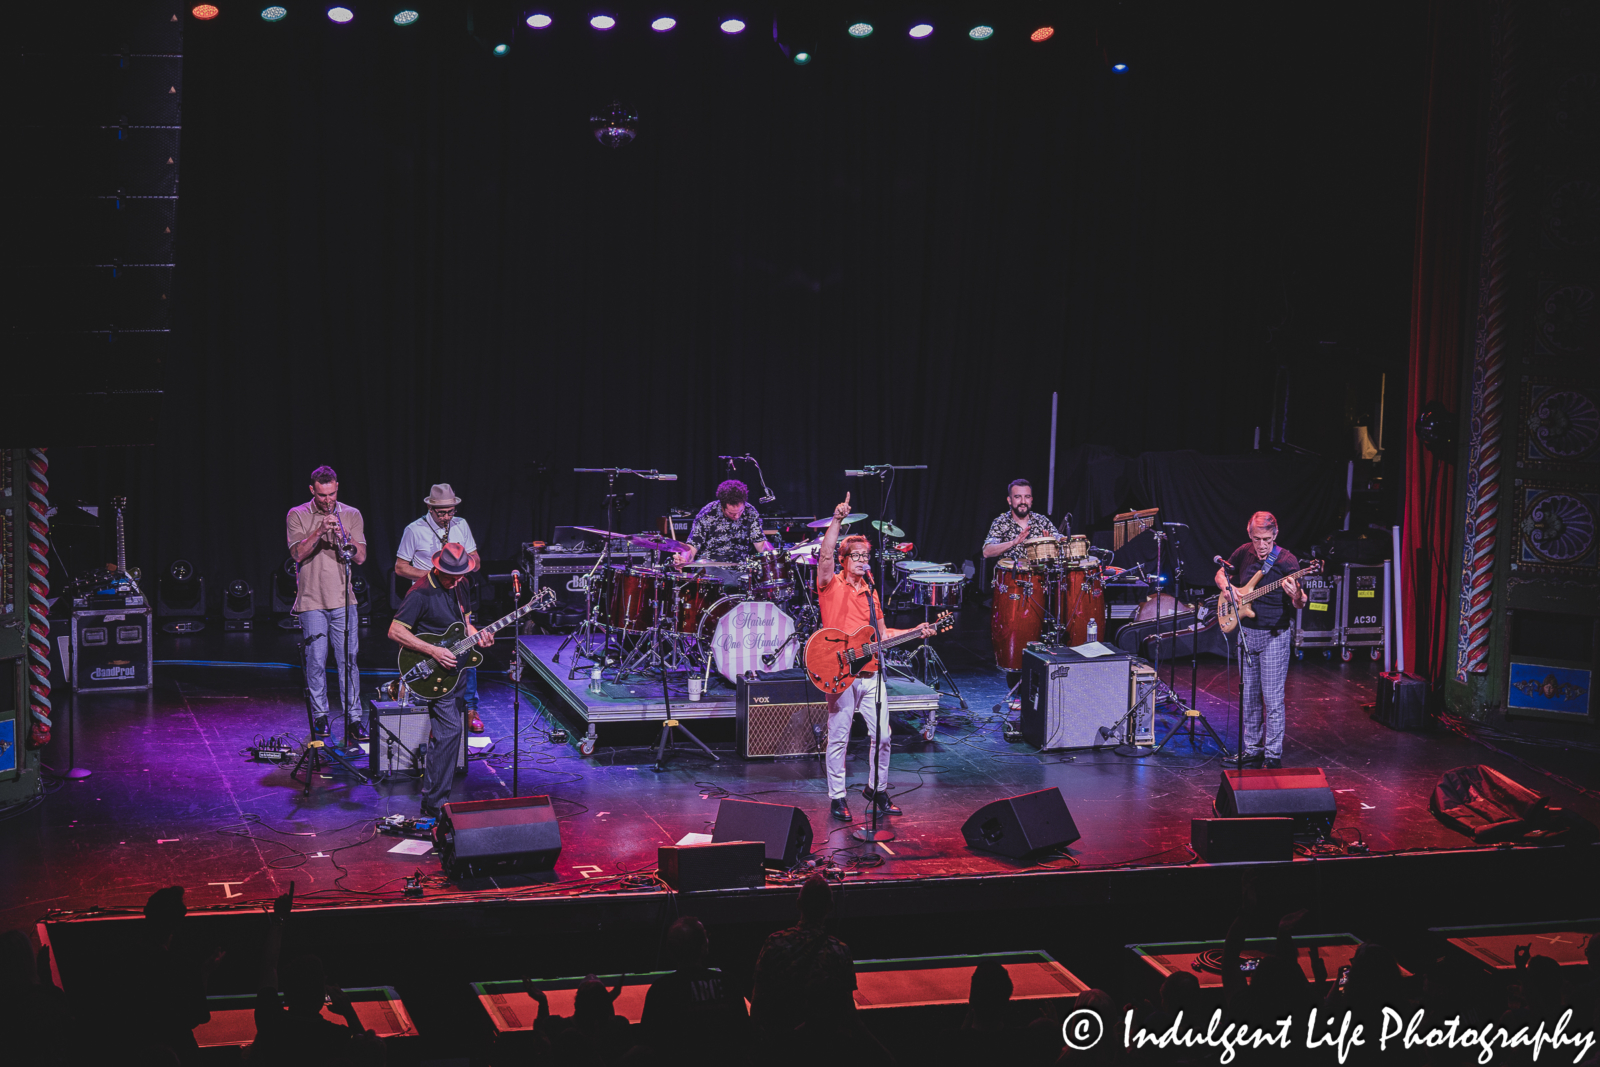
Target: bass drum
[
  {"x": 736, "y": 632},
  {"x": 1080, "y": 597},
  {"x": 1160, "y": 605},
  {"x": 1018, "y": 618}
]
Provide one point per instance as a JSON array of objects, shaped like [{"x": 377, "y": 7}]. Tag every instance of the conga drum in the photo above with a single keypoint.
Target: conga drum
[
  {"x": 1081, "y": 596},
  {"x": 1019, "y": 606}
]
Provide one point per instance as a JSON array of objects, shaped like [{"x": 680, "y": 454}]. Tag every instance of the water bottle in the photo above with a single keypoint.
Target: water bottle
[
  {"x": 594, "y": 679},
  {"x": 1094, "y": 631}
]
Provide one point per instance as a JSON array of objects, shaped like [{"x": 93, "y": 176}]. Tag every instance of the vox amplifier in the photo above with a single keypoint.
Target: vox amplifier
[{"x": 780, "y": 718}]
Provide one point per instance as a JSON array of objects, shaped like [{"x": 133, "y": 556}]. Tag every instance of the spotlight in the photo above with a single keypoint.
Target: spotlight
[
  {"x": 802, "y": 58},
  {"x": 602, "y": 22},
  {"x": 1119, "y": 67},
  {"x": 501, "y": 49},
  {"x": 341, "y": 14},
  {"x": 860, "y": 29},
  {"x": 238, "y": 605},
  {"x": 274, "y": 13},
  {"x": 181, "y": 599},
  {"x": 981, "y": 33},
  {"x": 615, "y": 126},
  {"x": 732, "y": 26},
  {"x": 205, "y": 12},
  {"x": 1043, "y": 33},
  {"x": 920, "y": 30},
  {"x": 663, "y": 24},
  {"x": 406, "y": 17},
  {"x": 538, "y": 21}
]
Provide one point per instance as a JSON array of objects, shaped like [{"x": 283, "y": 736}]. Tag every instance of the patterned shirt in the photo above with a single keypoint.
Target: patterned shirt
[
  {"x": 789, "y": 961},
  {"x": 715, "y": 536},
  {"x": 1005, "y": 529}
]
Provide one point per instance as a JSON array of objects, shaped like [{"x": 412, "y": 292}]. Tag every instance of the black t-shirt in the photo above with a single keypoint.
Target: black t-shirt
[
  {"x": 1272, "y": 610},
  {"x": 428, "y": 609}
]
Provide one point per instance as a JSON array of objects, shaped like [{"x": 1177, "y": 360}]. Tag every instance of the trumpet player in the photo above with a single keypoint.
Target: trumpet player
[{"x": 323, "y": 535}]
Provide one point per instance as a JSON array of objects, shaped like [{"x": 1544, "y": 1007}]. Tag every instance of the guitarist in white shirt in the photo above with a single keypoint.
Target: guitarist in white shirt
[
  {"x": 1265, "y": 638},
  {"x": 848, "y": 602}
]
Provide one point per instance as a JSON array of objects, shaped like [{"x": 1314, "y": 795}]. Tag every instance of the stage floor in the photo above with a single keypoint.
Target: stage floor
[{"x": 174, "y": 797}]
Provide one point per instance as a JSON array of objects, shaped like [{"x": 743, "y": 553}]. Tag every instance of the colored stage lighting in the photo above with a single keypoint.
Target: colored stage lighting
[
  {"x": 274, "y": 13},
  {"x": 501, "y": 49},
  {"x": 406, "y": 17},
  {"x": 539, "y": 20},
  {"x": 341, "y": 14},
  {"x": 732, "y": 26},
  {"x": 920, "y": 30},
  {"x": 662, "y": 25},
  {"x": 981, "y": 33},
  {"x": 1043, "y": 33},
  {"x": 860, "y": 29},
  {"x": 1119, "y": 67},
  {"x": 802, "y": 58},
  {"x": 602, "y": 22},
  {"x": 205, "y": 12}
]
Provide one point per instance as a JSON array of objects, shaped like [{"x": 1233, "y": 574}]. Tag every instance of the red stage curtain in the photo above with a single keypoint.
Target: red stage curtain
[{"x": 1441, "y": 276}]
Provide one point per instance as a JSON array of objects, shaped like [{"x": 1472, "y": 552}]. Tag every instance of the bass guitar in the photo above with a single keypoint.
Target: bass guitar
[
  {"x": 834, "y": 658},
  {"x": 429, "y": 680},
  {"x": 1234, "y": 604}
]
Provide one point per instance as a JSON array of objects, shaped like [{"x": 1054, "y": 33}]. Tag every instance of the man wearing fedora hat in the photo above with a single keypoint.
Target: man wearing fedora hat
[
  {"x": 414, "y": 558},
  {"x": 431, "y": 607}
]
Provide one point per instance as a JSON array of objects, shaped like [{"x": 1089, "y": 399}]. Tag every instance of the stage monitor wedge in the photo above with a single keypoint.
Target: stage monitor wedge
[
  {"x": 1298, "y": 793},
  {"x": 783, "y": 828},
  {"x": 1021, "y": 825},
  {"x": 511, "y": 835}
]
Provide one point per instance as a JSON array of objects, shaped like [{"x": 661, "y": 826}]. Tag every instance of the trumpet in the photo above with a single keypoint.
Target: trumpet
[{"x": 344, "y": 549}]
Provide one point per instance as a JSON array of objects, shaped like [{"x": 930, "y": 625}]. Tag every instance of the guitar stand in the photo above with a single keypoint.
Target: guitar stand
[
  {"x": 667, "y": 727},
  {"x": 319, "y": 755}
]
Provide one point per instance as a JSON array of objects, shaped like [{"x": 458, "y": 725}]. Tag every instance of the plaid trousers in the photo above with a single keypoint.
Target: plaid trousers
[{"x": 1265, "y": 666}]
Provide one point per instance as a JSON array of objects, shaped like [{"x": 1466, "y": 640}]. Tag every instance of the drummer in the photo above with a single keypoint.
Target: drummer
[
  {"x": 1016, "y": 524},
  {"x": 727, "y": 529}
]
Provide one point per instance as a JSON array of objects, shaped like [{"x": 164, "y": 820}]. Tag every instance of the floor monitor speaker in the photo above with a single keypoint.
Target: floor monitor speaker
[
  {"x": 1298, "y": 793},
  {"x": 511, "y": 835},
  {"x": 1017, "y": 826},
  {"x": 783, "y": 828}
]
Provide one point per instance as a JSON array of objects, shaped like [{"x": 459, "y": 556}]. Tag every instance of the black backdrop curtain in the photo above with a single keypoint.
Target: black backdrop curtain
[{"x": 407, "y": 258}]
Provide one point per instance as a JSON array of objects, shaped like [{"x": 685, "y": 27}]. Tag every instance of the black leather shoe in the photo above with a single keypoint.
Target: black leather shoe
[
  {"x": 357, "y": 731},
  {"x": 839, "y": 810},
  {"x": 1253, "y": 761},
  {"x": 319, "y": 726},
  {"x": 1272, "y": 764},
  {"x": 886, "y": 806}
]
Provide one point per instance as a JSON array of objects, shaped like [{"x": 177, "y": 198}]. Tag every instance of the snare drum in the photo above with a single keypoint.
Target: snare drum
[
  {"x": 770, "y": 576},
  {"x": 630, "y": 596},
  {"x": 907, "y": 568},
  {"x": 1080, "y": 596},
  {"x": 936, "y": 589},
  {"x": 737, "y": 631},
  {"x": 1019, "y": 604},
  {"x": 1077, "y": 547},
  {"x": 1039, "y": 551}
]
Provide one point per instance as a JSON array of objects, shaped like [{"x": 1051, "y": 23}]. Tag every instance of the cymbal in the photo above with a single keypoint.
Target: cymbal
[
  {"x": 822, "y": 524},
  {"x": 707, "y": 563},
  {"x": 657, "y": 543},
  {"x": 602, "y": 533},
  {"x": 888, "y": 529}
]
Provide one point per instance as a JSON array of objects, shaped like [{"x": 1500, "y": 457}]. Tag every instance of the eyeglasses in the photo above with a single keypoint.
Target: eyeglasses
[
  {"x": 862, "y": 556},
  {"x": 443, "y": 511}
]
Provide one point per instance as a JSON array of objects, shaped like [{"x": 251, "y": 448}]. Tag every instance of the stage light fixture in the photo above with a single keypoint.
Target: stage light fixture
[
  {"x": 860, "y": 29},
  {"x": 616, "y": 126},
  {"x": 981, "y": 33},
  {"x": 1043, "y": 33},
  {"x": 602, "y": 22},
  {"x": 1119, "y": 67},
  {"x": 205, "y": 12},
  {"x": 802, "y": 58},
  {"x": 663, "y": 24},
  {"x": 920, "y": 30},
  {"x": 406, "y": 17},
  {"x": 732, "y": 26},
  {"x": 273, "y": 13},
  {"x": 341, "y": 15},
  {"x": 538, "y": 20},
  {"x": 501, "y": 49}
]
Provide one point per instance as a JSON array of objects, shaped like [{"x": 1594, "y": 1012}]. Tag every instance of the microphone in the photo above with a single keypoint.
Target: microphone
[
  {"x": 654, "y": 477},
  {"x": 769, "y": 498},
  {"x": 1224, "y": 564},
  {"x": 516, "y": 586}
]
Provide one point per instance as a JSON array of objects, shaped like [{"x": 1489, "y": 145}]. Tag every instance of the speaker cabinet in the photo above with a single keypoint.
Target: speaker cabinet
[
  {"x": 1067, "y": 697},
  {"x": 783, "y": 828},
  {"x": 1298, "y": 793},
  {"x": 511, "y": 835},
  {"x": 721, "y": 865},
  {"x": 397, "y": 739},
  {"x": 1017, "y": 826},
  {"x": 1402, "y": 702},
  {"x": 1242, "y": 840},
  {"x": 111, "y": 650},
  {"x": 780, "y": 718}
]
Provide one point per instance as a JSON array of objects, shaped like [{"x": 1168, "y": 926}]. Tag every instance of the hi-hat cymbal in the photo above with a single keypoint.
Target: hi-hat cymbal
[
  {"x": 822, "y": 524},
  {"x": 657, "y": 543},
  {"x": 888, "y": 529},
  {"x": 602, "y": 533}
]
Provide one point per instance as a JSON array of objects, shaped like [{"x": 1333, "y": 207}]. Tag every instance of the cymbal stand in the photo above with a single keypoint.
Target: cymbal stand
[
  {"x": 583, "y": 647},
  {"x": 928, "y": 668}
]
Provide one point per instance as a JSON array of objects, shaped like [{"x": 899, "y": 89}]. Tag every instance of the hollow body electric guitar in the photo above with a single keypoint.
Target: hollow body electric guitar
[
  {"x": 1234, "y": 604},
  {"x": 834, "y": 658},
  {"x": 430, "y": 681}
]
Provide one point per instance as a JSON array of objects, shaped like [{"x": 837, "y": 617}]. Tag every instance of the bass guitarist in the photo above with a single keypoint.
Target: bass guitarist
[
  {"x": 432, "y": 607},
  {"x": 848, "y": 602},
  {"x": 1264, "y": 639}
]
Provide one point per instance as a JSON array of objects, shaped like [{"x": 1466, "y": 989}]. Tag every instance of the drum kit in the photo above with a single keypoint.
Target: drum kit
[{"x": 1053, "y": 592}]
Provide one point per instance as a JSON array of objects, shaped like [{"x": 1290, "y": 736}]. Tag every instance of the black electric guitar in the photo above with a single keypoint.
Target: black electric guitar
[
  {"x": 430, "y": 681},
  {"x": 834, "y": 658}
]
